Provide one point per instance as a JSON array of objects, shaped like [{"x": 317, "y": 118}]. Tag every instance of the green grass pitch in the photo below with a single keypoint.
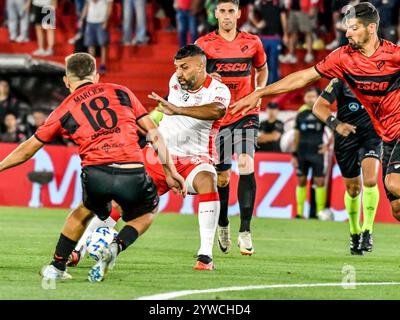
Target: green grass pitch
[{"x": 287, "y": 252}]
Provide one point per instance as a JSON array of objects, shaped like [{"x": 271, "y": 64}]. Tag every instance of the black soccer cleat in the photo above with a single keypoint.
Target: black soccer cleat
[
  {"x": 355, "y": 245},
  {"x": 366, "y": 241}
]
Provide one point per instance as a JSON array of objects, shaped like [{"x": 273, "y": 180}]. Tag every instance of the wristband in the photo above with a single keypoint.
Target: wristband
[{"x": 332, "y": 122}]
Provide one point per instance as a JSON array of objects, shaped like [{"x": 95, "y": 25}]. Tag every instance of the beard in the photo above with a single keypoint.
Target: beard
[
  {"x": 186, "y": 84},
  {"x": 358, "y": 45}
]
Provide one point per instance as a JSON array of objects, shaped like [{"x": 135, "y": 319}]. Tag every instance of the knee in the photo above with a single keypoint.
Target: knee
[
  {"x": 320, "y": 182},
  {"x": 223, "y": 179},
  {"x": 80, "y": 216},
  {"x": 302, "y": 181},
  {"x": 353, "y": 189},
  {"x": 392, "y": 185},
  {"x": 369, "y": 182},
  {"x": 396, "y": 210},
  {"x": 245, "y": 164}
]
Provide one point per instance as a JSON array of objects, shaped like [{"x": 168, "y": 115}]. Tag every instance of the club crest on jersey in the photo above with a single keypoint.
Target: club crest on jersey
[
  {"x": 244, "y": 48},
  {"x": 380, "y": 64},
  {"x": 185, "y": 97},
  {"x": 354, "y": 106}
]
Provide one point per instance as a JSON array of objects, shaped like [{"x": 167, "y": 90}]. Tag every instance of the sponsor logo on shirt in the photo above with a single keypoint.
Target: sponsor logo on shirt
[
  {"x": 372, "y": 86},
  {"x": 185, "y": 97},
  {"x": 354, "y": 106},
  {"x": 227, "y": 67}
]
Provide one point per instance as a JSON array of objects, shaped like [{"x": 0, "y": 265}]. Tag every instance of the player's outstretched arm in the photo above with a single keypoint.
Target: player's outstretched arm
[
  {"x": 213, "y": 111},
  {"x": 173, "y": 179},
  {"x": 289, "y": 83},
  {"x": 322, "y": 110},
  {"x": 22, "y": 153}
]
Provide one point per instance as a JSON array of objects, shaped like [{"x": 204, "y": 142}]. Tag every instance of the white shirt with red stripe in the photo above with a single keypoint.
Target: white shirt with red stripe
[{"x": 187, "y": 136}]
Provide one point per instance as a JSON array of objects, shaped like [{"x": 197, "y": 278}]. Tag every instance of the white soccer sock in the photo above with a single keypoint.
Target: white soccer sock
[
  {"x": 209, "y": 208},
  {"x": 93, "y": 225}
]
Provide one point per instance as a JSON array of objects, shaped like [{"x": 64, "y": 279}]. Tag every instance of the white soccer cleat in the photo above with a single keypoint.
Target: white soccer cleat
[
  {"x": 288, "y": 58},
  {"x": 224, "y": 238},
  {"x": 106, "y": 262},
  {"x": 325, "y": 215},
  {"x": 50, "y": 272},
  {"x": 333, "y": 45},
  {"x": 309, "y": 58},
  {"x": 245, "y": 244}
]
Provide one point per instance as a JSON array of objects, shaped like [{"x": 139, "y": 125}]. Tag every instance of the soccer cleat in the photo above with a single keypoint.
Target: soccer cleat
[
  {"x": 39, "y": 52},
  {"x": 309, "y": 58},
  {"x": 50, "y": 272},
  {"x": 245, "y": 244},
  {"x": 366, "y": 241},
  {"x": 288, "y": 58},
  {"x": 106, "y": 262},
  {"x": 355, "y": 248},
  {"x": 224, "y": 238},
  {"x": 204, "y": 263},
  {"x": 74, "y": 258}
]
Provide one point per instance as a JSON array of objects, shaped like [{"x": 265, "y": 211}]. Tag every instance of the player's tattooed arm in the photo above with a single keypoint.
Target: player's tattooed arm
[
  {"x": 213, "y": 111},
  {"x": 21, "y": 154},
  {"x": 322, "y": 110}
]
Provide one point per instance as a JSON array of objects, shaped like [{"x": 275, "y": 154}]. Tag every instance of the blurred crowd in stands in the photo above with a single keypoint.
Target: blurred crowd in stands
[{"x": 283, "y": 27}]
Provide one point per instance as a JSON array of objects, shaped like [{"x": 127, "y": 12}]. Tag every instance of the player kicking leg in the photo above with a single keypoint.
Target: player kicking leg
[
  {"x": 200, "y": 178},
  {"x": 80, "y": 250}
]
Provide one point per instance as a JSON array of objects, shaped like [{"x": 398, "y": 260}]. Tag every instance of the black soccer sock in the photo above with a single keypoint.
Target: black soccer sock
[
  {"x": 126, "y": 237},
  {"x": 223, "y": 192},
  {"x": 63, "y": 250},
  {"x": 247, "y": 197}
]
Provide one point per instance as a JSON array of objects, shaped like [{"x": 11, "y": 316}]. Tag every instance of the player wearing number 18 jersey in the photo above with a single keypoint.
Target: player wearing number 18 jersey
[{"x": 102, "y": 119}]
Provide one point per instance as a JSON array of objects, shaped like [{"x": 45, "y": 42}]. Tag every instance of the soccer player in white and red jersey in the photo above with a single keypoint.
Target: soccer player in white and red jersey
[
  {"x": 371, "y": 68},
  {"x": 192, "y": 115}
]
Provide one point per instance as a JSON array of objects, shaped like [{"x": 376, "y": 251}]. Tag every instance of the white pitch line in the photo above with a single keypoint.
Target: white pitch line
[{"x": 177, "y": 294}]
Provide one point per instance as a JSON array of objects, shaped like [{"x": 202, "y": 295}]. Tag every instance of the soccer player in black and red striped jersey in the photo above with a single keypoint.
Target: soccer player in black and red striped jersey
[
  {"x": 103, "y": 120},
  {"x": 231, "y": 56},
  {"x": 371, "y": 68}
]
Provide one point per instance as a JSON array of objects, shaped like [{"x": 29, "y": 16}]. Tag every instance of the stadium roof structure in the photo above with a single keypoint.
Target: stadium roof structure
[
  {"x": 37, "y": 82},
  {"x": 25, "y": 62}
]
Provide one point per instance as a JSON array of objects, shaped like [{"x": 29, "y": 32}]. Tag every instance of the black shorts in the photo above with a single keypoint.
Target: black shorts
[
  {"x": 133, "y": 189},
  {"x": 351, "y": 151},
  {"x": 41, "y": 15},
  {"x": 317, "y": 162},
  {"x": 390, "y": 163},
  {"x": 239, "y": 137}
]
